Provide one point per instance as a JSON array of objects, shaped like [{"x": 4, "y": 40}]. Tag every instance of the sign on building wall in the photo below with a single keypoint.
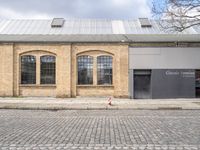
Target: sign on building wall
[{"x": 173, "y": 83}]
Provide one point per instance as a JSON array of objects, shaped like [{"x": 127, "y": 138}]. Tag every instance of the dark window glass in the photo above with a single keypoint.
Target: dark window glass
[
  {"x": 47, "y": 70},
  {"x": 104, "y": 70},
  {"x": 85, "y": 70},
  {"x": 28, "y": 69}
]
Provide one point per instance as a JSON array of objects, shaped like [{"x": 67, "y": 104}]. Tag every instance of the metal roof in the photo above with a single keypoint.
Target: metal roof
[{"x": 90, "y": 30}]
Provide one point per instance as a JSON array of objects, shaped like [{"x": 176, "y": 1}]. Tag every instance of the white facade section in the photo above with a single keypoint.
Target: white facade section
[{"x": 164, "y": 58}]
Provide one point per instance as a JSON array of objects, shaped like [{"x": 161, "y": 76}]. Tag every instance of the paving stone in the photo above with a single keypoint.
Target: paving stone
[{"x": 102, "y": 129}]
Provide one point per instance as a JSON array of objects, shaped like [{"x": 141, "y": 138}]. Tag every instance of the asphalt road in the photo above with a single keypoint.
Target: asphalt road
[{"x": 111, "y": 129}]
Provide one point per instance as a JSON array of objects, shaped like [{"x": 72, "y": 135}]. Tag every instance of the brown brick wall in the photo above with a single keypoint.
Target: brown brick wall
[
  {"x": 6, "y": 69},
  {"x": 66, "y": 70},
  {"x": 63, "y": 69},
  {"x": 120, "y": 69},
  {"x": 46, "y": 91}
]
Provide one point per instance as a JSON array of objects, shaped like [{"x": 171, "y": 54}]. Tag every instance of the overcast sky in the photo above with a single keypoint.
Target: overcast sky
[{"x": 44, "y": 9}]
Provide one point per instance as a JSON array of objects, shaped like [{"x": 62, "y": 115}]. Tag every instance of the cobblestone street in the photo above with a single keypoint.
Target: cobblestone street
[{"x": 102, "y": 129}]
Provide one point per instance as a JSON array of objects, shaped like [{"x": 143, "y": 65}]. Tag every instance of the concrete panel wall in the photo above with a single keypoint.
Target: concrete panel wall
[
  {"x": 169, "y": 83},
  {"x": 164, "y": 58},
  {"x": 172, "y": 83}
]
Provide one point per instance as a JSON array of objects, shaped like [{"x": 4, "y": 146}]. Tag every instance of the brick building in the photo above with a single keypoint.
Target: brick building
[{"x": 73, "y": 57}]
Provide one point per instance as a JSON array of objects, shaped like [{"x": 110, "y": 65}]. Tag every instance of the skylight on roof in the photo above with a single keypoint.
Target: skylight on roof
[
  {"x": 57, "y": 22},
  {"x": 145, "y": 22}
]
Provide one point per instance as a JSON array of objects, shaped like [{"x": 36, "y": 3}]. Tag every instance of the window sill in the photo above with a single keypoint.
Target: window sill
[
  {"x": 35, "y": 85},
  {"x": 95, "y": 85}
]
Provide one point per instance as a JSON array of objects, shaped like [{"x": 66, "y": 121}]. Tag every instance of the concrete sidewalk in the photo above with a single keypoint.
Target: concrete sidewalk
[{"x": 96, "y": 103}]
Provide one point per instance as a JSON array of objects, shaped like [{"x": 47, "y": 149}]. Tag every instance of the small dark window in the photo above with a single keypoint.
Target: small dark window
[
  {"x": 47, "y": 70},
  {"x": 85, "y": 70},
  {"x": 104, "y": 70},
  {"x": 28, "y": 69}
]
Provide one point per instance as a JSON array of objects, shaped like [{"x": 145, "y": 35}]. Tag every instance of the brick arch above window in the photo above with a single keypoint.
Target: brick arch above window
[
  {"x": 95, "y": 53},
  {"x": 37, "y": 52}
]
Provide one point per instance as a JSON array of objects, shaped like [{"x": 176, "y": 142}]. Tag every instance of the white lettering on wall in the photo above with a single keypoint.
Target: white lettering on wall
[
  {"x": 184, "y": 74},
  {"x": 169, "y": 72}
]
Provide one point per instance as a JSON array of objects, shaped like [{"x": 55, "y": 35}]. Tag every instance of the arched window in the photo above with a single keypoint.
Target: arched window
[
  {"x": 104, "y": 70},
  {"x": 47, "y": 69},
  {"x": 28, "y": 69},
  {"x": 85, "y": 70}
]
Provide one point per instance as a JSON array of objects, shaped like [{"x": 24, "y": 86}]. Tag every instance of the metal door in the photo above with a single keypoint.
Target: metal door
[
  {"x": 197, "y": 83},
  {"x": 142, "y": 84}
]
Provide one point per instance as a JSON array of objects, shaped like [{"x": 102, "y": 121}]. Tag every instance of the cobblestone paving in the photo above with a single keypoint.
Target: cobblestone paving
[{"x": 111, "y": 129}]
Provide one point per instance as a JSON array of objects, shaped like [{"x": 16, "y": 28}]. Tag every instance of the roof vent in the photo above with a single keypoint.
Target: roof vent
[
  {"x": 57, "y": 22},
  {"x": 145, "y": 22}
]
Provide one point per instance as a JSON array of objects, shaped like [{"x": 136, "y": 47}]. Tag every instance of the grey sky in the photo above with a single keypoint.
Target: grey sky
[{"x": 114, "y": 9}]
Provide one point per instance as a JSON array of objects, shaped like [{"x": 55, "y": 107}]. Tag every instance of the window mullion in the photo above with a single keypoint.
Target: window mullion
[
  {"x": 38, "y": 70},
  {"x": 95, "y": 71}
]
